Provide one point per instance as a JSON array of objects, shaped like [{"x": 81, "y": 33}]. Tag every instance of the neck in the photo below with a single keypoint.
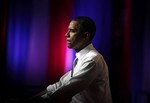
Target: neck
[{"x": 82, "y": 46}]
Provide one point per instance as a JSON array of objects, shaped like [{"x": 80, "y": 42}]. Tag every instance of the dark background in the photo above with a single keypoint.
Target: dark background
[{"x": 124, "y": 26}]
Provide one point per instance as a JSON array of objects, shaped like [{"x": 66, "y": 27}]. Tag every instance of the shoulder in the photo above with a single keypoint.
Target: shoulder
[{"x": 92, "y": 55}]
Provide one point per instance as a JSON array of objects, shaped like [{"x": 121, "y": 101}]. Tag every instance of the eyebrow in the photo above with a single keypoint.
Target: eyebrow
[{"x": 72, "y": 29}]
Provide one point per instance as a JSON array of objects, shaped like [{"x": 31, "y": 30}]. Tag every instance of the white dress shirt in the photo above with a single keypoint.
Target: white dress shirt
[{"x": 89, "y": 82}]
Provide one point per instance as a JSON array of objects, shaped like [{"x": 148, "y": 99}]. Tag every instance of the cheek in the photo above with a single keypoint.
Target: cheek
[{"x": 73, "y": 37}]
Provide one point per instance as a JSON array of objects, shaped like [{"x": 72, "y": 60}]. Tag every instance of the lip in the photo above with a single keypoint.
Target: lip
[{"x": 68, "y": 41}]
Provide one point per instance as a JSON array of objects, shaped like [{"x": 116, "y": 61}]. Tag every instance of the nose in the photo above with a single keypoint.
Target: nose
[{"x": 67, "y": 34}]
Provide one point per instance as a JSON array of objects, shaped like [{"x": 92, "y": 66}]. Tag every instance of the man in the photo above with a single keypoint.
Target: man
[{"x": 88, "y": 81}]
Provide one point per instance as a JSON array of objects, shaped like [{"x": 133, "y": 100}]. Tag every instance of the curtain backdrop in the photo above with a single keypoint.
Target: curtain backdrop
[{"x": 33, "y": 51}]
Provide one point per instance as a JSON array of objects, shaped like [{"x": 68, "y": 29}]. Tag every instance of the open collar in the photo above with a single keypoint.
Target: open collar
[{"x": 84, "y": 51}]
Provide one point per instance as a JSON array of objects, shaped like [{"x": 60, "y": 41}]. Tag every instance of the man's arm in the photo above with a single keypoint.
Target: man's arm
[
  {"x": 79, "y": 82},
  {"x": 52, "y": 88},
  {"x": 41, "y": 93}
]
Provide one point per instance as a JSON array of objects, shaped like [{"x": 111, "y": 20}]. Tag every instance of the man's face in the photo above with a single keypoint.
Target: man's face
[{"x": 74, "y": 39}]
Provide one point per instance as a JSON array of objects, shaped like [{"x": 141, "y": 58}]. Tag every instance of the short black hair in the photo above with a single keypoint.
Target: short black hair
[{"x": 86, "y": 25}]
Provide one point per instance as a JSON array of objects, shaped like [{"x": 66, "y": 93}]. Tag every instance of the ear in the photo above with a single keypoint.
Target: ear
[{"x": 87, "y": 35}]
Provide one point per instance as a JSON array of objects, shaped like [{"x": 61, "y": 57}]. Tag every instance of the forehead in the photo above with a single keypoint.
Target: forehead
[{"x": 73, "y": 24}]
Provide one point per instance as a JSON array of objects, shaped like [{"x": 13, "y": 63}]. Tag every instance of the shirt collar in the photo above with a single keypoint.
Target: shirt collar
[{"x": 84, "y": 51}]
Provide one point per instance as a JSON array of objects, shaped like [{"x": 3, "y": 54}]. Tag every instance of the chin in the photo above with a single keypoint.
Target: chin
[{"x": 69, "y": 46}]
